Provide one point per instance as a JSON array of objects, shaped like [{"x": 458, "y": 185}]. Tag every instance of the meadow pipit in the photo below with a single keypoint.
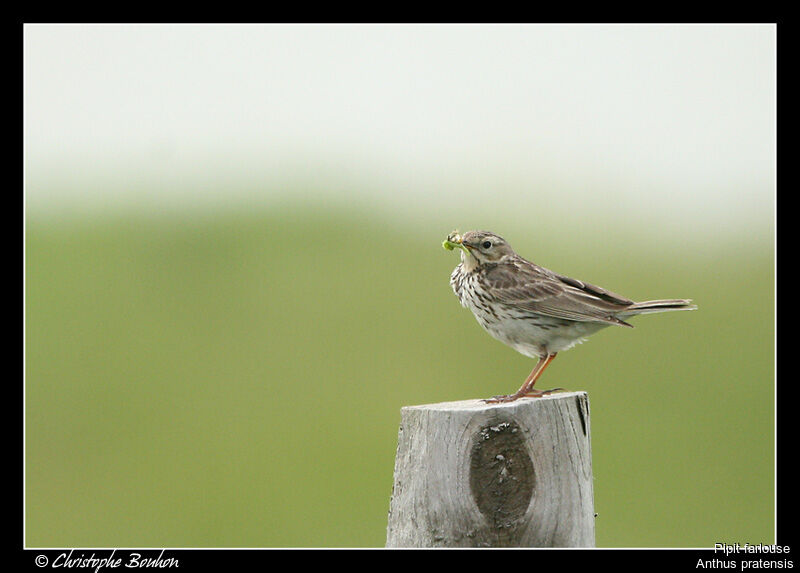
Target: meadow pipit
[{"x": 532, "y": 309}]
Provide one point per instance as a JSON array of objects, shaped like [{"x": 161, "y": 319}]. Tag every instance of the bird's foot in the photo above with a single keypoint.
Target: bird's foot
[
  {"x": 537, "y": 393},
  {"x": 511, "y": 397},
  {"x": 502, "y": 398}
]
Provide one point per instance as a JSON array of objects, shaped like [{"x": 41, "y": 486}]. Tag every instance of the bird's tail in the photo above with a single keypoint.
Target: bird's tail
[{"x": 664, "y": 305}]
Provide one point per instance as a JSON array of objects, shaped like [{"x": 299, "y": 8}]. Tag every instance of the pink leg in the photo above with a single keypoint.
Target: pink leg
[{"x": 527, "y": 387}]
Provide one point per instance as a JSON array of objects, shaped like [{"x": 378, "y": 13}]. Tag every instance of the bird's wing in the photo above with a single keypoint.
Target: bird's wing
[{"x": 524, "y": 285}]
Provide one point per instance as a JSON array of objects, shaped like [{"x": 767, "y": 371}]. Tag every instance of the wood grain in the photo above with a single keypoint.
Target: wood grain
[{"x": 471, "y": 474}]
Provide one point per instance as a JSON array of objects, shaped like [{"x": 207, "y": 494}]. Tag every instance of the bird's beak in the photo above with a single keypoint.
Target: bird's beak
[{"x": 467, "y": 246}]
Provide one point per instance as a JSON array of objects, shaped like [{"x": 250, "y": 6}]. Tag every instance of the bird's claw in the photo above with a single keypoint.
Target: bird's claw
[
  {"x": 511, "y": 397},
  {"x": 500, "y": 399},
  {"x": 537, "y": 393}
]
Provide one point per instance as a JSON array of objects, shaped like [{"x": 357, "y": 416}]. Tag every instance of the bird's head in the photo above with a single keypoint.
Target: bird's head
[{"x": 481, "y": 247}]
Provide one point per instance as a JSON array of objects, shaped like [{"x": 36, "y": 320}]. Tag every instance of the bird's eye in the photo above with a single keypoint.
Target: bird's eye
[{"x": 486, "y": 244}]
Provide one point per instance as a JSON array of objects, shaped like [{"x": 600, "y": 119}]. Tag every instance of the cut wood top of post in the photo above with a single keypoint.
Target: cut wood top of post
[
  {"x": 513, "y": 474},
  {"x": 478, "y": 404}
]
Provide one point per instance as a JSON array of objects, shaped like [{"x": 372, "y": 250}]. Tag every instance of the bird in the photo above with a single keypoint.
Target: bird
[{"x": 534, "y": 310}]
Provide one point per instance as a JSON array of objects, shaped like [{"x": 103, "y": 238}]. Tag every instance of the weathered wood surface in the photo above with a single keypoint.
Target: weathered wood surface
[{"x": 471, "y": 474}]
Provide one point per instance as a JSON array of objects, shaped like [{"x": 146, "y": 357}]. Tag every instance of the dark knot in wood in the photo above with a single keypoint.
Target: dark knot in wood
[{"x": 501, "y": 476}]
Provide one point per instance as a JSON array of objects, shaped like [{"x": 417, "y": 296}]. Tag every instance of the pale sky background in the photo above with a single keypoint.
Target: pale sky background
[{"x": 669, "y": 125}]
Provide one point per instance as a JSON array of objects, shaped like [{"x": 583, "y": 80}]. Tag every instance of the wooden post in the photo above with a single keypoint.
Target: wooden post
[{"x": 471, "y": 474}]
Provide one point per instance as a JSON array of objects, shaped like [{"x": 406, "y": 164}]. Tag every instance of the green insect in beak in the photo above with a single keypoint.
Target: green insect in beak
[{"x": 453, "y": 241}]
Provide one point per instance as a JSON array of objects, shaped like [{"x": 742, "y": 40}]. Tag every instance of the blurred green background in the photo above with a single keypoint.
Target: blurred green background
[
  {"x": 237, "y": 381},
  {"x": 231, "y": 375}
]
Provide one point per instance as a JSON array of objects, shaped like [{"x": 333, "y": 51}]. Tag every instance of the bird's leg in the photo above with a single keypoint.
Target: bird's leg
[
  {"x": 527, "y": 387},
  {"x": 536, "y": 393}
]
